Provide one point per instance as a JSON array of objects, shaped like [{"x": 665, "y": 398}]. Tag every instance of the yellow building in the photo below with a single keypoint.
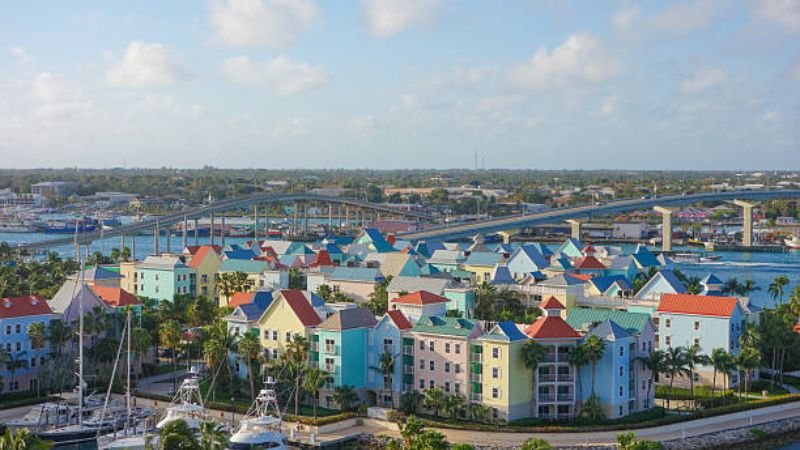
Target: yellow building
[
  {"x": 482, "y": 264},
  {"x": 206, "y": 261},
  {"x": 252, "y": 268},
  {"x": 290, "y": 314},
  {"x": 505, "y": 382},
  {"x": 127, "y": 271}
]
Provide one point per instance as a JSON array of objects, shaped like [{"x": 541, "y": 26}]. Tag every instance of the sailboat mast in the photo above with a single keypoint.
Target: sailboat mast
[
  {"x": 128, "y": 362},
  {"x": 80, "y": 347}
]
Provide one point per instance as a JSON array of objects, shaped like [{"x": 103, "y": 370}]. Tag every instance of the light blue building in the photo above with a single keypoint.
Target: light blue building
[
  {"x": 17, "y": 314},
  {"x": 387, "y": 337},
  {"x": 526, "y": 259},
  {"x": 615, "y": 383},
  {"x": 163, "y": 277}
]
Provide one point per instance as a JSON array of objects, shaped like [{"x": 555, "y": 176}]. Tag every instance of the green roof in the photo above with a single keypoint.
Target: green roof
[
  {"x": 242, "y": 265},
  {"x": 450, "y": 326},
  {"x": 633, "y": 323}
]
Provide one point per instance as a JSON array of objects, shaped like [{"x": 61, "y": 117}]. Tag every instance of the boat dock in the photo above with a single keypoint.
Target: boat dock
[{"x": 751, "y": 249}]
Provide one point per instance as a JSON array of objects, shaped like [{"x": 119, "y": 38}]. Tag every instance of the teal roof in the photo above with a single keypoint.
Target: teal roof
[
  {"x": 449, "y": 326},
  {"x": 631, "y": 322},
  {"x": 243, "y": 265}
]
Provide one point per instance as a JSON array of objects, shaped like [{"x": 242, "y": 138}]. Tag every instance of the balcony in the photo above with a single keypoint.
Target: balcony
[
  {"x": 331, "y": 349},
  {"x": 408, "y": 350},
  {"x": 565, "y": 398},
  {"x": 546, "y": 398},
  {"x": 408, "y": 370},
  {"x": 476, "y": 357},
  {"x": 476, "y": 378},
  {"x": 547, "y": 378},
  {"x": 314, "y": 346},
  {"x": 566, "y": 378},
  {"x": 549, "y": 357},
  {"x": 475, "y": 397}
]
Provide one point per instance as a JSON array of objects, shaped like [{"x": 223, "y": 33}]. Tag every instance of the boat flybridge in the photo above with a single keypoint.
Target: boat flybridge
[
  {"x": 261, "y": 426},
  {"x": 187, "y": 404}
]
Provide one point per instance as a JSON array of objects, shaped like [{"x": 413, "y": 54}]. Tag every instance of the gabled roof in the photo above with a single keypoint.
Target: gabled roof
[
  {"x": 399, "y": 319},
  {"x": 200, "y": 254},
  {"x": 323, "y": 259},
  {"x": 621, "y": 262},
  {"x": 501, "y": 276},
  {"x": 560, "y": 263},
  {"x": 608, "y": 330},
  {"x": 450, "y": 326},
  {"x": 551, "y": 327},
  {"x": 303, "y": 310},
  {"x": 251, "y": 310},
  {"x": 505, "y": 330},
  {"x": 446, "y": 257},
  {"x": 420, "y": 298},
  {"x": 603, "y": 283},
  {"x": 356, "y": 274},
  {"x": 243, "y": 265},
  {"x": 670, "y": 278},
  {"x": 588, "y": 262},
  {"x": 241, "y": 298},
  {"x": 114, "y": 296},
  {"x": 582, "y": 318},
  {"x": 348, "y": 319},
  {"x": 483, "y": 259},
  {"x": 698, "y": 305},
  {"x": 30, "y": 305},
  {"x": 161, "y": 262},
  {"x": 240, "y": 254},
  {"x": 532, "y": 253},
  {"x": 645, "y": 258},
  {"x": 711, "y": 279},
  {"x": 412, "y": 284},
  {"x": 562, "y": 281},
  {"x": 551, "y": 303},
  {"x": 97, "y": 273}
]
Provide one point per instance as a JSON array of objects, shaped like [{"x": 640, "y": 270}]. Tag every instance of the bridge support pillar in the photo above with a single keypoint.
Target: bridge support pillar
[
  {"x": 121, "y": 241},
  {"x": 185, "y": 231},
  {"x": 330, "y": 217},
  {"x": 255, "y": 223},
  {"x": 747, "y": 215},
  {"x": 575, "y": 232},
  {"x": 507, "y": 234},
  {"x": 666, "y": 227},
  {"x": 156, "y": 232},
  {"x": 294, "y": 220},
  {"x": 211, "y": 229},
  {"x": 222, "y": 231},
  {"x": 196, "y": 231},
  {"x": 133, "y": 246}
]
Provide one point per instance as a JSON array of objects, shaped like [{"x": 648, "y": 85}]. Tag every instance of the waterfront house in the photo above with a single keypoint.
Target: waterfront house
[
  {"x": 20, "y": 371},
  {"x": 498, "y": 376},
  {"x": 244, "y": 319},
  {"x": 571, "y": 248},
  {"x": 622, "y": 265},
  {"x": 164, "y": 276},
  {"x": 419, "y": 304},
  {"x": 663, "y": 282},
  {"x": 205, "y": 261},
  {"x": 526, "y": 259},
  {"x": 609, "y": 286},
  {"x": 289, "y": 314},
  {"x": 615, "y": 372},
  {"x": 387, "y": 337},
  {"x": 645, "y": 259},
  {"x": 341, "y": 342}
]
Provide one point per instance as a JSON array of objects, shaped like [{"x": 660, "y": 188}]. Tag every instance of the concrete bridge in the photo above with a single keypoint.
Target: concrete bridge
[
  {"x": 345, "y": 211},
  {"x": 510, "y": 224}
]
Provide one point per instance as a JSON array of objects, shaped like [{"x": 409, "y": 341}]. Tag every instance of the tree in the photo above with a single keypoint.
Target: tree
[
  {"x": 141, "y": 343},
  {"x": 14, "y": 362},
  {"x": 485, "y": 298},
  {"x": 721, "y": 361},
  {"x": 177, "y": 435},
  {"x": 169, "y": 334},
  {"x": 59, "y": 334},
  {"x": 37, "y": 334},
  {"x": 212, "y": 436},
  {"x": 776, "y": 288},
  {"x": 455, "y": 405},
  {"x": 628, "y": 441},
  {"x": 295, "y": 358},
  {"x": 324, "y": 291},
  {"x": 536, "y": 444},
  {"x": 594, "y": 348},
  {"x": 433, "y": 400},
  {"x": 203, "y": 311},
  {"x": 379, "y": 298},
  {"x": 693, "y": 359},
  {"x": 345, "y": 396},
  {"x": 731, "y": 287},
  {"x": 675, "y": 361},
  {"x": 385, "y": 367},
  {"x": 22, "y": 439},
  {"x": 409, "y": 402},
  {"x": 297, "y": 279},
  {"x": 533, "y": 354},
  {"x": 477, "y": 411},
  {"x": 655, "y": 362},
  {"x": 748, "y": 287},
  {"x": 220, "y": 342},
  {"x": 249, "y": 349},
  {"x": 313, "y": 381},
  {"x": 693, "y": 285},
  {"x": 229, "y": 283},
  {"x": 115, "y": 254},
  {"x": 417, "y": 437},
  {"x": 749, "y": 359}
]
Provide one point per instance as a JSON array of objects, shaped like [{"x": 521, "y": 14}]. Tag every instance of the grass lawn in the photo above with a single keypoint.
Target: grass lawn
[{"x": 243, "y": 401}]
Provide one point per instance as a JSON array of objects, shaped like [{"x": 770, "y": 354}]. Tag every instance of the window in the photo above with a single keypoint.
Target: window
[
  {"x": 430, "y": 345},
  {"x": 621, "y": 370},
  {"x": 432, "y": 364},
  {"x": 421, "y": 383},
  {"x": 430, "y": 384},
  {"x": 495, "y": 372},
  {"x": 19, "y": 346},
  {"x": 620, "y": 411},
  {"x": 495, "y": 392},
  {"x": 447, "y": 367},
  {"x": 18, "y": 328},
  {"x": 697, "y": 341},
  {"x": 447, "y": 347},
  {"x": 447, "y": 387},
  {"x": 496, "y": 352},
  {"x": 668, "y": 340},
  {"x": 458, "y": 368},
  {"x": 667, "y": 323},
  {"x": 274, "y": 335},
  {"x": 644, "y": 346},
  {"x": 696, "y": 325},
  {"x": 33, "y": 362},
  {"x": 8, "y": 329},
  {"x": 644, "y": 384},
  {"x": 458, "y": 349},
  {"x": 422, "y": 364},
  {"x": 330, "y": 346},
  {"x": 274, "y": 353},
  {"x": 422, "y": 345},
  {"x": 621, "y": 351},
  {"x": 457, "y": 388},
  {"x": 620, "y": 391},
  {"x": 288, "y": 336},
  {"x": 330, "y": 365},
  {"x": 204, "y": 278}
]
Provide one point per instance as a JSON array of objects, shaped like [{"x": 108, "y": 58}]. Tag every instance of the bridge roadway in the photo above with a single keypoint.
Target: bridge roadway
[
  {"x": 220, "y": 206},
  {"x": 561, "y": 214}
]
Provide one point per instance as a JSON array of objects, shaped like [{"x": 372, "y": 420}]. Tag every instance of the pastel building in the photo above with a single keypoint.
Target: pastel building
[
  {"x": 387, "y": 337},
  {"x": 289, "y": 314},
  {"x": 355, "y": 282},
  {"x": 481, "y": 265},
  {"x": 418, "y": 304},
  {"x": 17, "y": 314},
  {"x": 437, "y": 351},
  {"x": 206, "y": 261},
  {"x": 499, "y": 378},
  {"x": 253, "y": 269},
  {"x": 663, "y": 282},
  {"x": 163, "y": 277},
  {"x": 526, "y": 259},
  {"x": 340, "y": 348},
  {"x": 567, "y": 289}
]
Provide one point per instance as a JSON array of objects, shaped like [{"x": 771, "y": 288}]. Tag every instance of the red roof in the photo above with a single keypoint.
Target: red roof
[
  {"x": 301, "y": 307},
  {"x": 323, "y": 259},
  {"x": 698, "y": 305},
  {"x": 399, "y": 319},
  {"x": 588, "y": 249},
  {"x": 420, "y": 298},
  {"x": 202, "y": 252},
  {"x": 23, "y": 306},
  {"x": 241, "y": 298},
  {"x": 551, "y": 327},
  {"x": 391, "y": 239},
  {"x": 581, "y": 276},
  {"x": 588, "y": 262},
  {"x": 551, "y": 303},
  {"x": 114, "y": 296}
]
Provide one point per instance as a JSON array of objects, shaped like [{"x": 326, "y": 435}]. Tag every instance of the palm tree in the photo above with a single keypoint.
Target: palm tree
[
  {"x": 385, "y": 367},
  {"x": 296, "y": 358},
  {"x": 434, "y": 400},
  {"x": 140, "y": 344},
  {"x": 220, "y": 343},
  {"x": 776, "y": 288},
  {"x": 324, "y": 291},
  {"x": 675, "y": 361},
  {"x": 693, "y": 285},
  {"x": 731, "y": 287},
  {"x": 22, "y": 439},
  {"x": 58, "y": 334},
  {"x": 577, "y": 359},
  {"x": 748, "y": 287},
  {"x": 15, "y": 362},
  {"x": 594, "y": 348},
  {"x": 721, "y": 362},
  {"x": 170, "y": 334},
  {"x": 477, "y": 411},
  {"x": 655, "y": 363},
  {"x": 693, "y": 359},
  {"x": 212, "y": 436},
  {"x": 455, "y": 405},
  {"x": 37, "y": 334},
  {"x": 249, "y": 348},
  {"x": 485, "y": 296},
  {"x": 313, "y": 381},
  {"x": 533, "y": 353},
  {"x": 749, "y": 359},
  {"x": 345, "y": 396},
  {"x": 229, "y": 283}
]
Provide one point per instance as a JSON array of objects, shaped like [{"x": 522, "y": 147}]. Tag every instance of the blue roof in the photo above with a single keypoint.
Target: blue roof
[
  {"x": 645, "y": 257},
  {"x": 508, "y": 330},
  {"x": 603, "y": 283},
  {"x": 240, "y": 254},
  {"x": 252, "y": 310},
  {"x": 374, "y": 236},
  {"x": 534, "y": 255},
  {"x": 262, "y": 299},
  {"x": 356, "y": 274},
  {"x": 482, "y": 259},
  {"x": 571, "y": 243},
  {"x": 711, "y": 279},
  {"x": 543, "y": 249},
  {"x": 670, "y": 277},
  {"x": 333, "y": 249},
  {"x": 298, "y": 248},
  {"x": 502, "y": 276},
  {"x": 504, "y": 248},
  {"x": 428, "y": 269},
  {"x": 243, "y": 265},
  {"x": 608, "y": 329},
  {"x": 562, "y": 263}
]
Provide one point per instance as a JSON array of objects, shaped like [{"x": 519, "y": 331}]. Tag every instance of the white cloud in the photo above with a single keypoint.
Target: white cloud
[
  {"x": 146, "y": 64},
  {"x": 784, "y": 12},
  {"x": 686, "y": 16},
  {"x": 249, "y": 23},
  {"x": 57, "y": 99},
  {"x": 21, "y": 57},
  {"x": 627, "y": 17},
  {"x": 581, "y": 58},
  {"x": 168, "y": 105},
  {"x": 471, "y": 75},
  {"x": 363, "y": 124},
  {"x": 703, "y": 80},
  {"x": 608, "y": 105},
  {"x": 280, "y": 75},
  {"x": 386, "y": 18}
]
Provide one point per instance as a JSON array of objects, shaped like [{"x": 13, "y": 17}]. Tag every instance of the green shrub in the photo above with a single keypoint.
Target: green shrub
[
  {"x": 536, "y": 444},
  {"x": 759, "y": 433},
  {"x": 462, "y": 447}
]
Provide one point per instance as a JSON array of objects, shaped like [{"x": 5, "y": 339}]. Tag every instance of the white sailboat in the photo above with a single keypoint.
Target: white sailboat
[{"x": 261, "y": 426}]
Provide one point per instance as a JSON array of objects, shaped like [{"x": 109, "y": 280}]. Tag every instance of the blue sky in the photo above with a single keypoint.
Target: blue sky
[{"x": 709, "y": 84}]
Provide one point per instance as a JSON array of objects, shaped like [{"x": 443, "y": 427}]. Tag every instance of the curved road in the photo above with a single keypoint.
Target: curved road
[
  {"x": 221, "y": 206},
  {"x": 562, "y": 214}
]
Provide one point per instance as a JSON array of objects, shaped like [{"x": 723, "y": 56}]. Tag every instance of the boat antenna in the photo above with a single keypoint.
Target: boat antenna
[{"x": 80, "y": 346}]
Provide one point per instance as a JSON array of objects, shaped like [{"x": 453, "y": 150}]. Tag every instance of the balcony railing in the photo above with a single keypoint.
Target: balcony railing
[
  {"x": 565, "y": 378},
  {"x": 545, "y": 398},
  {"x": 314, "y": 346},
  {"x": 565, "y": 397},
  {"x": 408, "y": 370},
  {"x": 408, "y": 349},
  {"x": 476, "y": 378},
  {"x": 546, "y": 378},
  {"x": 475, "y": 397},
  {"x": 476, "y": 357},
  {"x": 331, "y": 349}
]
